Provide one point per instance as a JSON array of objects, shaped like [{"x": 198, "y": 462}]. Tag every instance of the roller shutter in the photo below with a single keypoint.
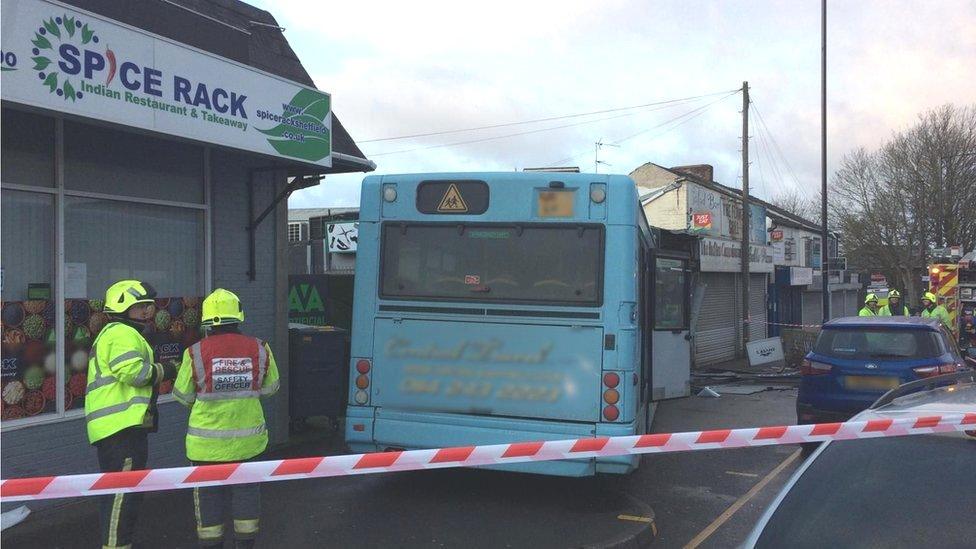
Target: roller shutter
[
  {"x": 757, "y": 306},
  {"x": 717, "y": 333}
]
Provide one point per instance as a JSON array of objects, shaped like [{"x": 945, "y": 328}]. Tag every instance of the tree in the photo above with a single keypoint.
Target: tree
[
  {"x": 799, "y": 204},
  {"x": 915, "y": 193}
]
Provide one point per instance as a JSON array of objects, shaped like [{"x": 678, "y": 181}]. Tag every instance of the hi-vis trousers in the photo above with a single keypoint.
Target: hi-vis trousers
[
  {"x": 210, "y": 506},
  {"x": 126, "y": 450}
]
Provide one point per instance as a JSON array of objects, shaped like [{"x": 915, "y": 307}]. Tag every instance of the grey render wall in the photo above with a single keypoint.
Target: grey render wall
[
  {"x": 229, "y": 186},
  {"x": 62, "y": 447}
]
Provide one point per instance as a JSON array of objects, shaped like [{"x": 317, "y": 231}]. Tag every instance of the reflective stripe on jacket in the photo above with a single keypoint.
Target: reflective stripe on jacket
[
  {"x": 121, "y": 372},
  {"x": 222, "y": 379}
]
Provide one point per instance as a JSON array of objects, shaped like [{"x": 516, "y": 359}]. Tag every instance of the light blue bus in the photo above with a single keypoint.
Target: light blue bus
[{"x": 501, "y": 307}]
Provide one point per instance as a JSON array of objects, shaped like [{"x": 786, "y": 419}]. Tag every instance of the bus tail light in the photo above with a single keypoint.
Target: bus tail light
[
  {"x": 363, "y": 367},
  {"x": 611, "y": 413},
  {"x": 611, "y": 379},
  {"x": 611, "y": 396}
]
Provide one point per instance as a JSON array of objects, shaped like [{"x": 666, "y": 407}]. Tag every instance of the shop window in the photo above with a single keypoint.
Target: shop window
[
  {"x": 27, "y": 148},
  {"x": 107, "y": 241},
  {"x": 29, "y": 359},
  {"x": 108, "y": 161}
]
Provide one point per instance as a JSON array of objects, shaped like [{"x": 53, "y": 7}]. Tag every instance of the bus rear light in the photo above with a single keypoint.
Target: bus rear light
[
  {"x": 611, "y": 396},
  {"x": 361, "y": 398},
  {"x": 363, "y": 366},
  {"x": 598, "y": 194},
  {"x": 611, "y": 413},
  {"x": 389, "y": 193},
  {"x": 362, "y": 382},
  {"x": 611, "y": 379},
  {"x": 359, "y": 427}
]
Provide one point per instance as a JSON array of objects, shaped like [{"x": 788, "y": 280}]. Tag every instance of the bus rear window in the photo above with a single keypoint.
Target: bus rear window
[{"x": 530, "y": 264}]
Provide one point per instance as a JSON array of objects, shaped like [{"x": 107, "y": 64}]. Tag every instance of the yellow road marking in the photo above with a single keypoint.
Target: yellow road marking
[
  {"x": 727, "y": 514},
  {"x": 636, "y": 519},
  {"x": 752, "y": 475}
]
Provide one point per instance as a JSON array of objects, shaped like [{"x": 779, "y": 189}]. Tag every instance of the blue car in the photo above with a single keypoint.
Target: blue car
[{"x": 857, "y": 359}]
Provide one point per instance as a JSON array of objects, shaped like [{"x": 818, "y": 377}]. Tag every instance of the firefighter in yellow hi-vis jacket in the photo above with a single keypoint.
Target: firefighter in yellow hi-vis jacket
[
  {"x": 120, "y": 399},
  {"x": 222, "y": 379}
]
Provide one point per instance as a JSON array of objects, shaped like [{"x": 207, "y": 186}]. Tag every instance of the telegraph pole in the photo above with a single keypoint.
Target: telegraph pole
[
  {"x": 745, "y": 216},
  {"x": 824, "y": 247}
]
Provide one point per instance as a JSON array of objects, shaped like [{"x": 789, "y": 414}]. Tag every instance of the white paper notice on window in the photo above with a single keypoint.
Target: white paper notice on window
[{"x": 75, "y": 280}]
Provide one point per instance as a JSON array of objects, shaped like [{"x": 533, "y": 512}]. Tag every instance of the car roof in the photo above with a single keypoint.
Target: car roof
[
  {"x": 951, "y": 399},
  {"x": 899, "y": 322}
]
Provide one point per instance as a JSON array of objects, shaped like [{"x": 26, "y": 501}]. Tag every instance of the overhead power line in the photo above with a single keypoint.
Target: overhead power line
[
  {"x": 538, "y": 120},
  {"x": 688, "y": 116},
  {"x": 778, "y": 149},
  {"x": 528, "y": 132}
]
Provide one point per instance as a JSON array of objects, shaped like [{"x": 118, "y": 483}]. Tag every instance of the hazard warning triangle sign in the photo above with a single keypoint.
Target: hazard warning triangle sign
[{"x": 452, "y": 201}]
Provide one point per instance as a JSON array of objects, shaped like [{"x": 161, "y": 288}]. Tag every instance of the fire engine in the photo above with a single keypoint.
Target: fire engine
[{"x": 952, "y": 278}]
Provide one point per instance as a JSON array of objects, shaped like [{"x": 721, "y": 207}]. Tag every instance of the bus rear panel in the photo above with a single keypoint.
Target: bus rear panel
[{"x": 498, "y": 307}]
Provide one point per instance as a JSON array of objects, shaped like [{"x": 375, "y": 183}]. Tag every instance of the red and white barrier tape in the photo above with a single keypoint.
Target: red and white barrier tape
[{"x": 21, "y": 489}]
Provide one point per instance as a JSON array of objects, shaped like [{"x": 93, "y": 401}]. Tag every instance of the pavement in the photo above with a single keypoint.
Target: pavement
[{"x": 688, "y": 499}]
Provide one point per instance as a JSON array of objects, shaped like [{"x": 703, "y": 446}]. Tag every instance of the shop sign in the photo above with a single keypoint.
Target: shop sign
[
  {"x": 306, "y": 299},
  {"x": 776, "y": 235},
  {"x": 60, "y": 58},
  {"x": 720, "y": 255},
  {"x": 343, "y": 237},
  {"x": 801, "y": 276},
  {"x": 701, "y": 221}
]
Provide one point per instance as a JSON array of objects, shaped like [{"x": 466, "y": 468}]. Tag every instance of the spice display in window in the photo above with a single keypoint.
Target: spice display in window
[
  {"x": 78, "y": 310},
  {"x": 13, "y": 392},
  {"x": 34, "y": 326},
  {"x": 82, "y": 337},
  {"x": 51, "y": 363},
  {"x": 13, "y": 340},
  {"x": 34, "y": 352},
  {"x": 35, "y": 306},
  {"x": 33, "y": 403},
  {"x": 162, "y": 320},
  {"x": 13, "y": 315},
  {"x": 96, "y": 305},
  {"x": 79, "y": 360},
  {"x": 34, "y": 377},
  {"x": 96, "y": 323},
  {"x": 11, "y": 412},
  {"x": 49, "y": 388},
  {"x": 48, "y": 314},
  {"x": 76, "y": 385},
  {"x": 175, "y": 308}
]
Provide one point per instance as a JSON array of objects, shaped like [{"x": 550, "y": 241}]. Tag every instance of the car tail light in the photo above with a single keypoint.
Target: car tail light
[
  {"x": 611, "y": 379},
  {"x": 363, "y": 366},
  {"x": 813, "y": 368},
  {"x": 611, "y": 413},
  {"x": 932, "y": 371}
]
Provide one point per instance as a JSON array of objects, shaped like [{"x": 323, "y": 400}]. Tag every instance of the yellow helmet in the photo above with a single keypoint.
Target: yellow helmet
[
  {"x": 894, "y": 293},
  {"x": 126, "y": 293},
  {"x": 871, "y": 298},
  {"x": 929, "y": 296},
  {"x": 221, "y": 307}
]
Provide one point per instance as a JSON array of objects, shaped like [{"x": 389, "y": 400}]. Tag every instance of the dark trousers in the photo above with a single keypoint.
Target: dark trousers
[
  {"x": 212, "y": 503},
  {"x": 126, "y": 450}
]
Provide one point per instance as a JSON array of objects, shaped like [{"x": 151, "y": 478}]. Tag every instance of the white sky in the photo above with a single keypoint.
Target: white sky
[{"x": 396, "y": 68}]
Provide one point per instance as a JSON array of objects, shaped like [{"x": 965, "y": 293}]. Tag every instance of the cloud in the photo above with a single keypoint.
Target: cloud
[{"x": 399, "y": 68}]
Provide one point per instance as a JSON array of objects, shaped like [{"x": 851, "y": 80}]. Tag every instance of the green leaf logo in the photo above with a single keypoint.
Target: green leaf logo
[
  {"x": 301, "y": 132},
  {"x": 61, "y": 29}
]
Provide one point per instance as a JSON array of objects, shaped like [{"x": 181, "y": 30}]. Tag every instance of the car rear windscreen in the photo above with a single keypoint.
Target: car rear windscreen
[
  {"x": 878, "y": 343},
  {"x": 912, "y": 491}
]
